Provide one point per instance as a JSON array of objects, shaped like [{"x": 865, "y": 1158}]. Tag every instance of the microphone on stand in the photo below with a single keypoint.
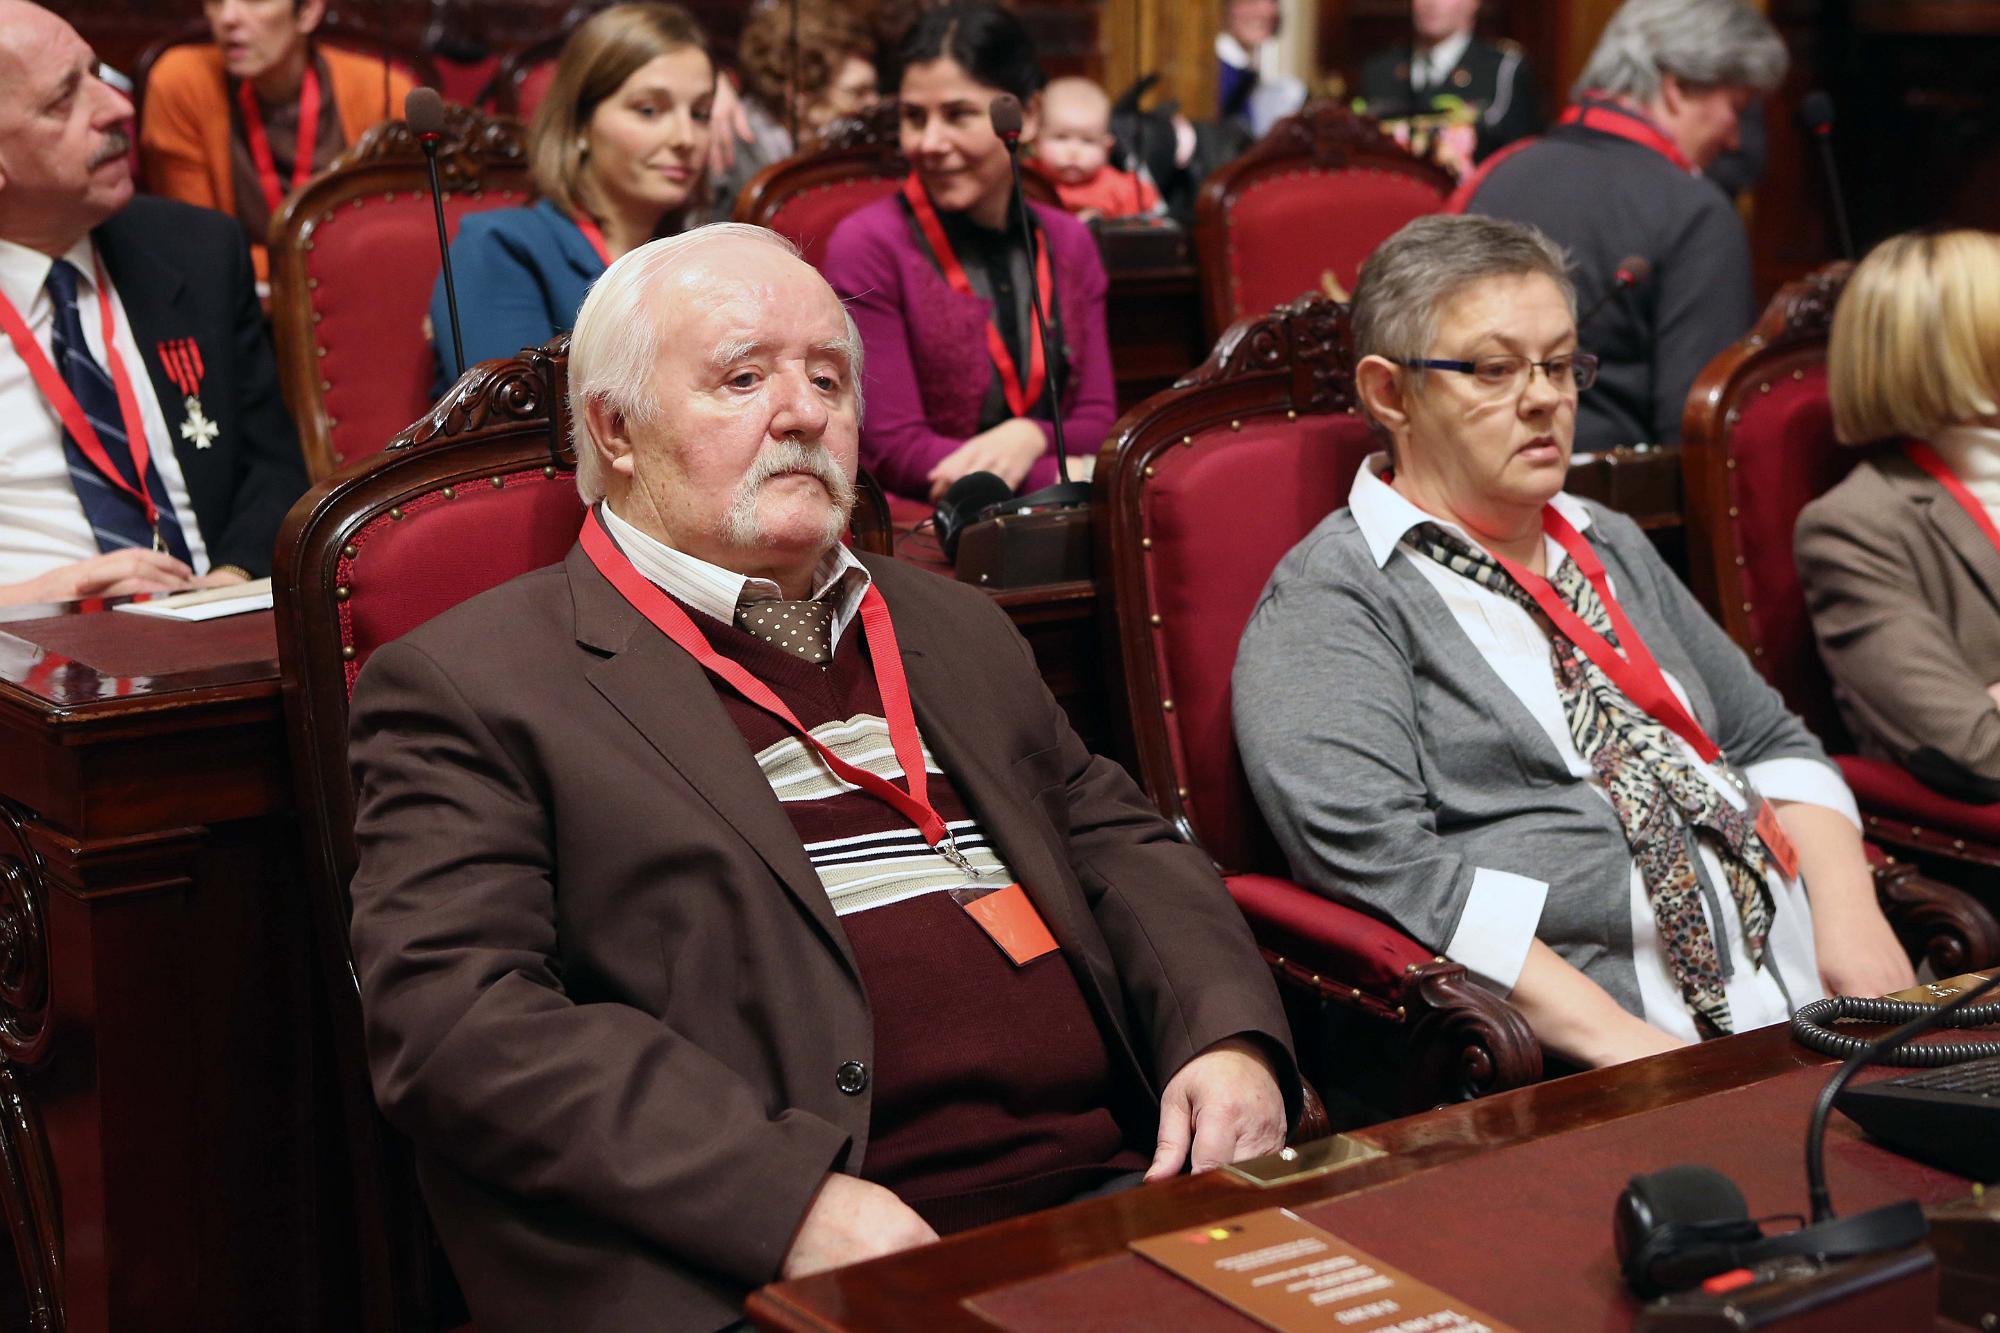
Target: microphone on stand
[
  {"x": 1005, "y": 113},
  {"x": 1633, "y": 271},
  {"x": 1816, "y": 114},
  {"x": 423, "y": 110}
]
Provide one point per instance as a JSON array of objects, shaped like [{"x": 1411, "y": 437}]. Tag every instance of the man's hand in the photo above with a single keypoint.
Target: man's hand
[
  {"x": 851, "y": 1220},
  {"x": 1858, "y": 952},
  {"x": 221, "y": 578},
  {"x": 1225, "y": 1103},
  {"x": 1993, "y": 693},
  {"x": 727, "y": 123},
  {"x": 113, "y": 574},
  {"x": 1007, "y": 451}
]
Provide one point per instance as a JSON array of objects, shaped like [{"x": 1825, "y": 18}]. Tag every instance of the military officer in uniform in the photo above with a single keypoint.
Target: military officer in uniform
[{"x": 1452, "y": 67}]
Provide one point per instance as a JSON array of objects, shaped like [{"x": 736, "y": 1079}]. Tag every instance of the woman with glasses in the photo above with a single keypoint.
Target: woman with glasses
[
  {"x": 1901, "y": 561},
  {"x": 1486, "y": 709}
]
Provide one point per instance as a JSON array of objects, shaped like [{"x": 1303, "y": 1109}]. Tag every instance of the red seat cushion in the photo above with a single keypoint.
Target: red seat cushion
[
  {"x": 533, "y": 87},
  {"x": 1884, "y": 789},
  {"x": 1288, "y": 229},
  {"x": 1324, "y": 936},
  {"x": 807, "y": 219},
  {"x": 1221, "y": 514},
  {"x": 1785, "y": 456},
  {"x": 370, "y": 269},
  {"x": 442, "y": 551}
]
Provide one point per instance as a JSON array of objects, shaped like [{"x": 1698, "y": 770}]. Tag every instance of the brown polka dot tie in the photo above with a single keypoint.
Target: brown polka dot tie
[{"x": 804, "y": 629}]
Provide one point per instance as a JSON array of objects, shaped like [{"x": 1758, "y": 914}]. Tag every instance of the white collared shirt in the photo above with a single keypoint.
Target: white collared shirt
[
  {"x": 1433, "y": 67},
  {"x": 1973, "y": 452},
  {"x": 42, "y": 526},
  {"x": 1503, "y": 908},
  {"x": 717, "y": 592}
]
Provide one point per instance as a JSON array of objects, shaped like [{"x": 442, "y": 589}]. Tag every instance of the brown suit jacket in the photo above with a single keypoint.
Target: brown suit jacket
[
  {"x": 605, "y": 993},
  {"x": 1904, "y": 591}
]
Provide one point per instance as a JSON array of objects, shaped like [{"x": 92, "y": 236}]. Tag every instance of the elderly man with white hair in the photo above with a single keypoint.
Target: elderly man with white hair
[
  {"x": 1620, "y": 177},
  {"x": 731, "y": 907}
]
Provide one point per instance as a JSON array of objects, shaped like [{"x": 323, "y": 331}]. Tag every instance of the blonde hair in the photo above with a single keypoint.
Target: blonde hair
[
  {"x": 1915, "y": 345},
  {"x": 596, "y": 60}
]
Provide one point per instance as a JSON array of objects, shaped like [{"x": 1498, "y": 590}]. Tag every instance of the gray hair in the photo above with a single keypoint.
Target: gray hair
[
  {"x": 616, "y": 344},
  {"x": 1407, "y": 282},
  {"x": 1706, "y": 43}
]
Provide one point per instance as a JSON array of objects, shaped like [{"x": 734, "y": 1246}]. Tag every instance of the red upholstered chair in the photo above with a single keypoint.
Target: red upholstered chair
[
  {"x": 853, "y": 163},
  {"x": 480, "y": 490},
  {"x": 1309, "y": 200},
  {"x": 525, "y": 75},
  {"x": 1200, "y": 492},
  {"x": 1758, "y": 445},
  {"x": 353, "y": 259}
]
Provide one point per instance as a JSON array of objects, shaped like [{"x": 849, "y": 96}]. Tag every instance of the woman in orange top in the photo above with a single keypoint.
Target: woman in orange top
[{"x": 223, "y": 125}]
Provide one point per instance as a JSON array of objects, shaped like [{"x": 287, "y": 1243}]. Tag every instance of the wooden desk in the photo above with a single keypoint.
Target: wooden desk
[
  {"x": 1448, "y": 1204},
  {"x": 156, "y": 1046}
]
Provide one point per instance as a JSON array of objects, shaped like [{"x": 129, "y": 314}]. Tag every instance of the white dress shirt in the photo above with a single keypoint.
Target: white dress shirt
[
  {"x": 1503, "y": 908},
  {"x": 1973, "y": 452},
  {"x": 1434, "y": 65},
  {"x": 716, "y": 592},
  {"x": 42, "y": 526}
]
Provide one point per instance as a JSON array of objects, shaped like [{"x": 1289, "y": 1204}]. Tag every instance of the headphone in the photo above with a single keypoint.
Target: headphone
[{"x": 1675, "y": 1227}]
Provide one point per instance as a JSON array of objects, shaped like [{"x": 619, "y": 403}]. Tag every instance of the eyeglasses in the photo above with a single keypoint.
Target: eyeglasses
[{"x": 1504, "y": 375}]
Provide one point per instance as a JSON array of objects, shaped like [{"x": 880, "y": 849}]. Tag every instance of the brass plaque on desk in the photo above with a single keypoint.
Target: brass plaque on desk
[
  {"x": 1314, "y": 1158},
  {"x": 1942, "y": 992}
]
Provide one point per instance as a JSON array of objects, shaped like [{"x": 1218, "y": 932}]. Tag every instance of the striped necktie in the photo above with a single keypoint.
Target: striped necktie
[{"x": 117, "y": 520}]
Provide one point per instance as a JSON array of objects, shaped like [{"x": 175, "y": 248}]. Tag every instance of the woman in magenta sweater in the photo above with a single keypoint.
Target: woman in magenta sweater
[{"x": 939, "y": 283}]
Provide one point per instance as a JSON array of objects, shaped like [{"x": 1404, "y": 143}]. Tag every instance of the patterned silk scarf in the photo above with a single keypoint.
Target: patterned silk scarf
[{"x": 1660, "y": 797}]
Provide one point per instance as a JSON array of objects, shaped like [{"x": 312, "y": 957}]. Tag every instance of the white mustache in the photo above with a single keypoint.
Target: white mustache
[
  {"x": 791, "y": 456},
  {"x": 116, "y": 144}
]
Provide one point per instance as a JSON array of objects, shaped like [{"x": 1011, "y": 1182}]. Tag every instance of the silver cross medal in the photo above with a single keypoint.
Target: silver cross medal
[{"x": 198, "y": 429}]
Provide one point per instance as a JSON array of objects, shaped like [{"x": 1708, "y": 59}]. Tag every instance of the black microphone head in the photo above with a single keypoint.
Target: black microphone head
[
  {"x": 1634, "y": 270},
  {"x": 423, "y": 110},
  {"x": 1005, "y": 113},
  {"x": 962, "y": 503},
  {"x": 1816, "y": 111}
]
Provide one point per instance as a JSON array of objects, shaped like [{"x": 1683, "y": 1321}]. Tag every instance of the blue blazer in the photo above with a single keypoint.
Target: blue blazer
[{"x": 522, "y": 274}]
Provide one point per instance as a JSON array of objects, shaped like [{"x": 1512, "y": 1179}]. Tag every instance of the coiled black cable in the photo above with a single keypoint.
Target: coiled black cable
[{"x": 1809, "y": 1028}]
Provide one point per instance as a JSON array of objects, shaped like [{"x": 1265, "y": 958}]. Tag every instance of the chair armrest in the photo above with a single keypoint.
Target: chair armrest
[
  {"x": 1938, "y": 924},
  {"x": 1460, "y": 1040}
]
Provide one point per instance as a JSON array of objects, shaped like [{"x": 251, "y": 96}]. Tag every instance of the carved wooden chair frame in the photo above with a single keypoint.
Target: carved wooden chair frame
[
  {"x": 1324, "y": 135},
  {"x": 1934, "y": 921},
  {"x": 476, "y": 154},
  {"x": 1456, "y": 1040},
  {"x": 502, "y": 422}
]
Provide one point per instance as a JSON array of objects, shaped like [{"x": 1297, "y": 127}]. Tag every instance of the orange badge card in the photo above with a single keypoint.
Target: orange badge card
[
  {"x": 1775, "y": 842},
  {"x": 1010, "y": 918}
]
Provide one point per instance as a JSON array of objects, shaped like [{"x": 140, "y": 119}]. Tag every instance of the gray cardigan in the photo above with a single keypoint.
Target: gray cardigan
[{"x": 1392, "y": 762}]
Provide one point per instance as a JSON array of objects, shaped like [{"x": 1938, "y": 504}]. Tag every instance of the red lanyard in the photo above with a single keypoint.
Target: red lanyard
[
  {"x": 1927, "y": 458},
  {"x": 71, "y": 412},
  {"x": 1634, "y": 671},
  {"x": 1627, "y": 125},
  {"x": 1020, "y": 398},
  {"x": 260, "y": 142},
  {"x": 649, "y": 601},
  {"x": 592, "y": 233}
]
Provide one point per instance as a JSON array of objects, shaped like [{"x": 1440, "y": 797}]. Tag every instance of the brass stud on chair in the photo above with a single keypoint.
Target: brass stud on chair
[
  {"x": 1153, "y": 619},
  {"x": 348, "y": 552},
  {"x": 1166, "y": 705},
  {"x": 1151, "y": 471},
  {"x": 326, "y": 386},
  {"x": 395, "y": 515},
  {"x": 549, "y": 472},
  {"x": 319, "y": 351},
  {"x": 448, "y": 493},
  {"x": 342, "y": 593},
  {"x": 1747, "y": 608},
  {"x": 1188, "y": 440},
  {"x": 1765, "y": 387},
  {"x": 496, "y": 482},
  {"x": 1729, "y": 463},
  {"x": 347, "y": 652},
  {"x": 1181, "y": 792},
  {"x": 1401, "y": 1012},
  {"x": 1732, "y": 511},
  {"x": 1291, "y": 414},
  {"x": 1145, "y": 543},
  {"x": 1798, "y": 374},
  {"x": 1236, "y": 425}
]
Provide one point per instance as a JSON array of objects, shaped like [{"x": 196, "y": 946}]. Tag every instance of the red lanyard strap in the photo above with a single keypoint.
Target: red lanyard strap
[
  {"x": 592, "y": 233},
  {"x": 71, "y": 412},
  {"x": 1627, "y": 125},
  {"x": 1928, "y": 459},
  {"x": 1021, "y": 398},
  {"x": 260, "y": 140},
  {"x": 1634, "y": 671},
  {"x": 666, "y": 615}
]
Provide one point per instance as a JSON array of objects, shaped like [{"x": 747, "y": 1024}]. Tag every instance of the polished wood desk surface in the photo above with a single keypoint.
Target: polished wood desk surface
[{"x": 1445, "y": 1203}]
